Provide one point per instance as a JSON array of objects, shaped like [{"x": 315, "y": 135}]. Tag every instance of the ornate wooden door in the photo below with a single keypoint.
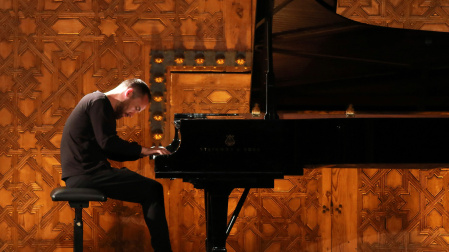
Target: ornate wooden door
[{"x": 338, "y": 226}]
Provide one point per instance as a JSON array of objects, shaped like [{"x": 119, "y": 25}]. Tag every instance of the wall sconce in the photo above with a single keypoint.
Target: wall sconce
[
  {"x": 158, "y": 116},
  {"x": 199, "y": 58},
  {"x": 158, "y": 78},
  {"x": 159, "y": 58},
  {"x": 220, "y": 59},
  {"x": 157, "y": 134},
  {"x": 179, "y": 58},
  {"x": 240, "y": 59},
  {"x": 158, "y": 97}
]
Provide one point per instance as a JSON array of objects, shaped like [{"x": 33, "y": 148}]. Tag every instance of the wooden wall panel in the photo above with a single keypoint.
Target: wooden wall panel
[
  {"x": 403, "y": 209},
  {"x": 54, "y": 52},
  {"x": 429, "y": 15},
  {"x": 399, "y": 207}
]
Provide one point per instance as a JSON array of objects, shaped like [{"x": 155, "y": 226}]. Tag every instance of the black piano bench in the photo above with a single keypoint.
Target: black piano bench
[{"x": 78, "y": 198}]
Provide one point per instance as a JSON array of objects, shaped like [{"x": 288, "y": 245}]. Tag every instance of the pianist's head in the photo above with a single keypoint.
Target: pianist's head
[{"x": 129, "y": 97}]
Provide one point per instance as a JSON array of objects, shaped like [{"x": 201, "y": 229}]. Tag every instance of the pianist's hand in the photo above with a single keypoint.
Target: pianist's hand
[{"x": 154, "y": 151}]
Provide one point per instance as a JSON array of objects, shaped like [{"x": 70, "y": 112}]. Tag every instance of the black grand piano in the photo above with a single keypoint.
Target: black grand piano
[{"x": 306, "y": 57}]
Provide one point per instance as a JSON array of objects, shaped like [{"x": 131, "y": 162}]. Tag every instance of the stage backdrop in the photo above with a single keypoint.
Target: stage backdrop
[{"x": 52, "y": 52}]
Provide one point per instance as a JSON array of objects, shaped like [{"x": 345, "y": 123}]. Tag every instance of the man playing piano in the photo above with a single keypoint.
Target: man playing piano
[{"x": 90, "y": 138}]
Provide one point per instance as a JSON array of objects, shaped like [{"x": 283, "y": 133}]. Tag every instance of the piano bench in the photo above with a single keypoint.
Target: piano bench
[{"x": 78, "y": 198}]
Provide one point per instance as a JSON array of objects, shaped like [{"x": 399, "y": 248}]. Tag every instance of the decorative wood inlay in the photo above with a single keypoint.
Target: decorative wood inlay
[
  {"x": 403, "y": 208},
  {"x": 54, "y": 52},
  {"x": 418, "y": 15}
]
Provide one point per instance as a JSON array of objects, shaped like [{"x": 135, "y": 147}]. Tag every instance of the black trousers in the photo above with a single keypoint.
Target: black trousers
[{"x": 126, "y": 185}]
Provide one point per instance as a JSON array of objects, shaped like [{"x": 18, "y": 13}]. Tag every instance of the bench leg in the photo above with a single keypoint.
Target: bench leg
[{"x": 78, "y": 230}]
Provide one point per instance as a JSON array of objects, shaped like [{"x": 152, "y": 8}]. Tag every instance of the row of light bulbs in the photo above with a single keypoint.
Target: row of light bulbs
[
  {"x": 179, "y": 58},
  {"x": 200, "y": 59}
]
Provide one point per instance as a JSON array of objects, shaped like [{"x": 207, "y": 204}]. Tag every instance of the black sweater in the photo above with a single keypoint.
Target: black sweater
[{"x": 90, "y": 138}]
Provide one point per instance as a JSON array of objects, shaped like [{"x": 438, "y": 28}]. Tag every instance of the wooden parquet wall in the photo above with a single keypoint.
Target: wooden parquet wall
[
  {"x": 397, "y": 209},
  {"x": 52, "y": 52},
  {"x": 408, "y": 14}
]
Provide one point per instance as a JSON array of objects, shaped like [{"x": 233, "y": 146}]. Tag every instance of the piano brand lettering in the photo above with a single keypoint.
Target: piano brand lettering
[
  {"x": 230, "y": 140},
  {"x": 228, "y": 149}
]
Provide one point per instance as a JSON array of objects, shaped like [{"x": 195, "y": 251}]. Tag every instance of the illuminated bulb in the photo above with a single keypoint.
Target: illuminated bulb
[
  {"x": 157, "y": 136},
  {"x": 220, "y": 61},
  {"x": 159, "y": 79},
  {"x": 158, "y": 97},
  {"x": 179, "y": 58},
  {"x": 159, "y": 60},
  {"x": 158, "y": 117},
  {"x": 240, "y": 60},
  {"x": 199, "y": 58},
  {"x": 199, "y": 61}
]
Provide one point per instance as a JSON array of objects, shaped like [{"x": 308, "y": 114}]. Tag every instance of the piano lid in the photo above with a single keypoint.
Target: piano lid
[{"x": 323, "y": 61}]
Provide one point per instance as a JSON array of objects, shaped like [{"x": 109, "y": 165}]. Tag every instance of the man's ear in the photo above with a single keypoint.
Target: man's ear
[{"x": 129, "y": 93}]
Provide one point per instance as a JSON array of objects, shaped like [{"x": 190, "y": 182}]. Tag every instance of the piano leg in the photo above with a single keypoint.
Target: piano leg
[{"x": 216, "y": 204}]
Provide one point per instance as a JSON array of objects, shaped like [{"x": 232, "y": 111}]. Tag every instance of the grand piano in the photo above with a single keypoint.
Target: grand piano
[{"x": 306, "y": 57}]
